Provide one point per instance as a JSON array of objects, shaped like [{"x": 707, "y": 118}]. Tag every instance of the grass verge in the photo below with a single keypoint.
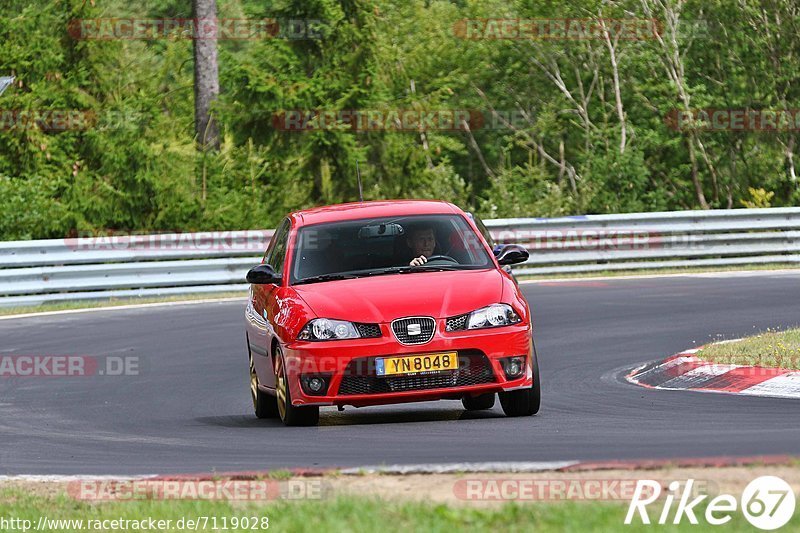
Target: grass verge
[
  {"x": 770, "y": 348},
  {"x": 117, "y": 302},
  {"x": 353, "y": 514}
]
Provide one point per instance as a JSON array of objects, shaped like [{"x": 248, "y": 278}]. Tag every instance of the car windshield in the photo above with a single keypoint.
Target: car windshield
[{"x": 382, "y": 246}]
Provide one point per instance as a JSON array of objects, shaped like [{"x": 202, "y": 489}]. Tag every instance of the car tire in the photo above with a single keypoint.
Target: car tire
[
  {"x": 265, "y": 405},
  {"x": 291, "y": 415},
  {"x": 524, "y": 402},
  {"x": 478, "y": 403}
]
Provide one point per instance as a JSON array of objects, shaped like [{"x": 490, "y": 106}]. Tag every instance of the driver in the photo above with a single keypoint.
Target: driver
[{"x": 422, "y": 241}]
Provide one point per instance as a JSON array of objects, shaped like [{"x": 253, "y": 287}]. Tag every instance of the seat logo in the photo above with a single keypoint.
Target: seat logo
[{"x": 414, "y": 329}]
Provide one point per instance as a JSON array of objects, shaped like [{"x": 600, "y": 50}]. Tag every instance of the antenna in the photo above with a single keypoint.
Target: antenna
[{"x": 360, "y": 191}]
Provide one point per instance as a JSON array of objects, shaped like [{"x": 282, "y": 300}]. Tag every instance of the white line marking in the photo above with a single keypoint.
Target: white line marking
[
  {"x": 67, "y": 478},
  {"x": 124, "y": 307},
  {"x": 711, "y": 369},
  {"x": 784, "y": 386},
  {"x": 635, "y": 378},
  {"x": 709, "y": 274},
  {"x": 451, "y": 468},
  {"x": 706, "y": 371}
]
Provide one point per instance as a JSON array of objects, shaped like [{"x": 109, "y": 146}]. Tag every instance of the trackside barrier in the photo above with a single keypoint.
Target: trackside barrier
[
  {"x": 642, "y": 241},
  {"x": 127, "y": 266},
  {"x": 99, "y": 268}
]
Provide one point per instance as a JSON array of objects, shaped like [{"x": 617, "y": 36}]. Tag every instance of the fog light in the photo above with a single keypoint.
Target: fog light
[
  {"x": 314, "y": 385},
  {"x": 513, "y": 366}
]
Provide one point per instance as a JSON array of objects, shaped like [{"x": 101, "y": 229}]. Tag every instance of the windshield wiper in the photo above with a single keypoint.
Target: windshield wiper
[
  {"x": 409, "y": 269},
  {"x": 325, "y": 277},
  {"x": 430, "y": 268}
]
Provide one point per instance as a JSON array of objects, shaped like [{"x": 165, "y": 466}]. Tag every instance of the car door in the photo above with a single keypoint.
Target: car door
[{"x": 262, "y": 308}]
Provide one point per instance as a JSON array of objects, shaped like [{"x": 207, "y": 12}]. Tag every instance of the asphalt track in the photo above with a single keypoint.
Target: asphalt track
[{"x": 189, "y": 409}]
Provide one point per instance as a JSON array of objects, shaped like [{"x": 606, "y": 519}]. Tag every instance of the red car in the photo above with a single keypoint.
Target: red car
[{"x": 387, "y": 302}]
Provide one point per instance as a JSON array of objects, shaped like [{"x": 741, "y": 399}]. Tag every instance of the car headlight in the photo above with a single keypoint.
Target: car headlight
[
  {"x": 492, "y": 316},
  {"x": 326, "y": 329}
]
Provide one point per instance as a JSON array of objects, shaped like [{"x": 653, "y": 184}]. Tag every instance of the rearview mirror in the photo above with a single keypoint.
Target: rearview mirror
[
  {"x": 263, "y": 274},
  {"x": 511, "y": 254},
  {"x": 380, "y": 230}
]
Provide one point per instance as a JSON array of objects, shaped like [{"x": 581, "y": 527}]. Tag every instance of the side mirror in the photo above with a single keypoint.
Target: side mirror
[
  {"x": 263, "y": 274},
  {"x": 511, "y": 254}
]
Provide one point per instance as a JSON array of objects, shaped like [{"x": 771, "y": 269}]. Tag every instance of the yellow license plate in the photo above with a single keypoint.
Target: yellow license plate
[{"x": 412, "y": 364}]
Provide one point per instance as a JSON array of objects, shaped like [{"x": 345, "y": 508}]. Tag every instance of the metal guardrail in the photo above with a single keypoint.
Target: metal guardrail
[
  {"x": 100, "y": 268},
  {"x": 35, "y": 272},
  {"x": 644, "y": 241}
]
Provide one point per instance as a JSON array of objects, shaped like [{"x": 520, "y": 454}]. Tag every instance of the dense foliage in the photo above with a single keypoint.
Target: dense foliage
[{"x": 577, "y": 125}]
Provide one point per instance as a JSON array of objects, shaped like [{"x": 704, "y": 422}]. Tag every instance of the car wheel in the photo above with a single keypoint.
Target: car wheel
[
  {"x": 524, "y": 402},
  {"x": 290, "y": 414},
  {"x": 478, "y": 403},
  {"x": 265, "y": 405}
]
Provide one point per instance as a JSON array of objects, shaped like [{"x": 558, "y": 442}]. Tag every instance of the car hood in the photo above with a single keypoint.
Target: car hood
[{"x": 384, "y": 298}]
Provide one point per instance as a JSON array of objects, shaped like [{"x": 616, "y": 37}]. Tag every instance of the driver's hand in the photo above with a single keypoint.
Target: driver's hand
[{"x": 417, "y": 261}]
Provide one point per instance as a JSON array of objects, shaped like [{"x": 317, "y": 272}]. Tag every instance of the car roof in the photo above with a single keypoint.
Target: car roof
[{"x": 372, "y": 209}]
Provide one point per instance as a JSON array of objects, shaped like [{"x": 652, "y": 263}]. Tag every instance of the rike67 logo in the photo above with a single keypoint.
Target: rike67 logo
[{"x": 767, "y": 502}]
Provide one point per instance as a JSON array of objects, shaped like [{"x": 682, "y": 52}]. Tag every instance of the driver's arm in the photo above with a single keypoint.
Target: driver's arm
[{"x": 417, "y": 261}]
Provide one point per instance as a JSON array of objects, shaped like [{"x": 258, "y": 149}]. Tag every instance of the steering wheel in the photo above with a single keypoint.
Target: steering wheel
[{"x": 441, "y": 258}]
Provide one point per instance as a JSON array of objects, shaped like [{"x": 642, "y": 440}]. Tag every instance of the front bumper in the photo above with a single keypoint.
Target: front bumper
[{"x": 349, "y": 369}]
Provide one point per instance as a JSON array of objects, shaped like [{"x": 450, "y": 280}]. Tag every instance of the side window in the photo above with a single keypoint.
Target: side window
[
  {"x": 483, "y": 229},
  {"x": 277, "y": 256},
  {"x": 276, "y": 252}
]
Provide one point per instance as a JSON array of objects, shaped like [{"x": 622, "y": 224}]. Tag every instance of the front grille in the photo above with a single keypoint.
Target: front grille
[
  {"x": 359, "y": 376},
  {"x": 456, "y": 323},
  {"x": 414, "y": 330},
  {"x": 435, "y": 381},
  {"x": 368, "y": 331}
]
